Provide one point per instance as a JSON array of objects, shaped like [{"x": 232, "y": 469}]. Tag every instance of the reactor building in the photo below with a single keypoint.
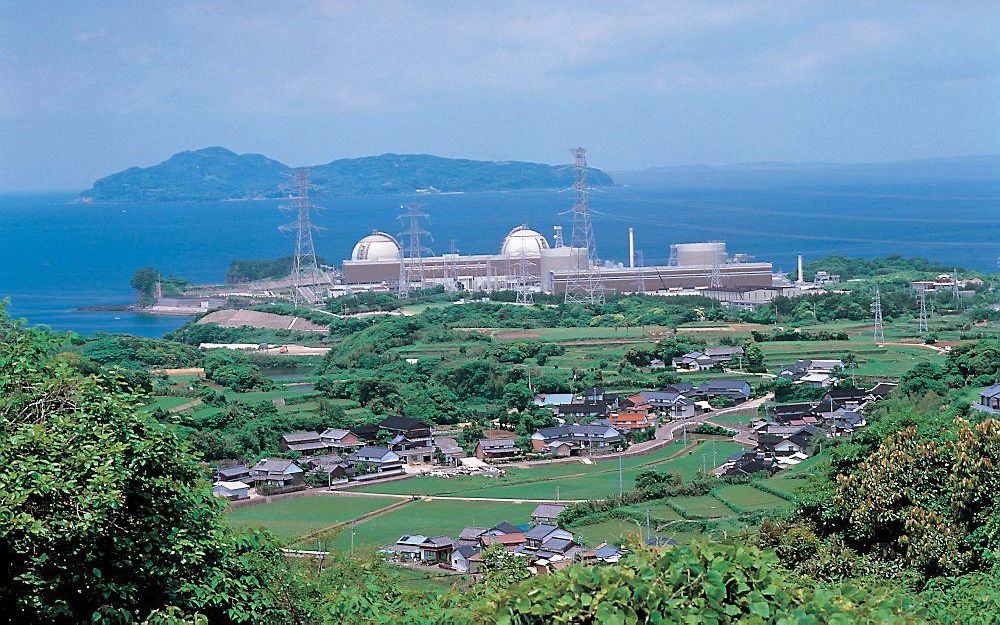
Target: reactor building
[{"x": 527, "y": 260}]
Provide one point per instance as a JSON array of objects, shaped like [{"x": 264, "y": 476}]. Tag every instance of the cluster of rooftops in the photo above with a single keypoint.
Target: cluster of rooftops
[
  {"x": 791, "y": 432},
  {"x": 544, "y": 544}
]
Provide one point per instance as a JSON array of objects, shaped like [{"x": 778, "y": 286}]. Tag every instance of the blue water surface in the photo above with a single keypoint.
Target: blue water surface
[{"x": 56, "y": 256}]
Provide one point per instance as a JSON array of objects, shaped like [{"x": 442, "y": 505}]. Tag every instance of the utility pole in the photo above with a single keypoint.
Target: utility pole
[
  {"x": 922, "y": 322},
  {"x": 557, "y": 493},
  {"x": 640, "y": 277},
  {"x": 584, "y": 285},
  {"x": 620, "y": 486},
  {"x": 352, "y": 538},
  {"x": 647, "y": 525},
  {"x": 879, "y": 333}
]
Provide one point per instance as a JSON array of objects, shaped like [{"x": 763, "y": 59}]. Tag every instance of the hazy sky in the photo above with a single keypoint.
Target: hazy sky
[{"x": 88, "y": 88}]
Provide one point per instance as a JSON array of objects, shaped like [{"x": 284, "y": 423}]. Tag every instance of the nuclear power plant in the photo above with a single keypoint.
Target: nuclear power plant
[
  {"x": 526, "y": 262},
  {"x": 526, "y": 259}
]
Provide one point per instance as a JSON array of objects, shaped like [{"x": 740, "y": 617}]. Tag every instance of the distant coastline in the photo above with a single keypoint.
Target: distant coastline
[{"x": 218, "y": 174}]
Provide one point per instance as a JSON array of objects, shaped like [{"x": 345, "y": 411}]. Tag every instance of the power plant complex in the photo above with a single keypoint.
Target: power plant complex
[{"x": 526, "y": 262}]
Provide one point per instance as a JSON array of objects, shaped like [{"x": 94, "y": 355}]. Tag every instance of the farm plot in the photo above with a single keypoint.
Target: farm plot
[
  {"x": 430, "y": 518},
  {"x": 574, "y": 481},
  {"x": 704, "y": 507},
  {"x": 746, "y": 498},
  {"x": 290, "y": 518}
]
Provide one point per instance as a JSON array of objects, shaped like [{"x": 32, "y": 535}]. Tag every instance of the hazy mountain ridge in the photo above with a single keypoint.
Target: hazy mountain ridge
[
  {"x": 940, "y": 168},
  {"x": 219, "y": 174}
]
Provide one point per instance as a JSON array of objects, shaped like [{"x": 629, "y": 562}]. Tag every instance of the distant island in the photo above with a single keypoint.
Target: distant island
[{"x": 219, "y": 174}]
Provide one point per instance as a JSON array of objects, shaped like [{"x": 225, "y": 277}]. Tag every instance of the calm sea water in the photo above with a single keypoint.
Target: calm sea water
[{"x": 56, "y": 256}]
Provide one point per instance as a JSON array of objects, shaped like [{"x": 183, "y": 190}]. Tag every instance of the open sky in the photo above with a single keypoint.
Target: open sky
[{"x": 89, "y": 88}]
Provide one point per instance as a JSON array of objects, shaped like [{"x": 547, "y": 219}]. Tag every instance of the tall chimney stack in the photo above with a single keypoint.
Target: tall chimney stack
[
  {"x": 631, "y": 248},
  {"x": 801, "y": 277}
]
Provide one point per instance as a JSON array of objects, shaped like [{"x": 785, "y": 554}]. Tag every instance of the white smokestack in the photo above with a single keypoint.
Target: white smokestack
[
  {"x": 631, "y": 248},
  {"x": 801, "y": 277}
]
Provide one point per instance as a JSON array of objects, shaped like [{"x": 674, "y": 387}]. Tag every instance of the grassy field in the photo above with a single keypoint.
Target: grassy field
[
  {"x": 575, "y": 480},
  {"x": 749, "y": 499},
  {"x": 704, "y": 507},
  {"x": 431, "y": 518},
  {"x": 289, "y": 518}
]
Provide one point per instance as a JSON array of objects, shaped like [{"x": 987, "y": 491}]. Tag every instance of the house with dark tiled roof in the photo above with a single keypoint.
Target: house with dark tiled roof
[
  {"x": 734, "y": 389},
  {"x": 671, "y": 404},
  {"x": 276, "y": 473},
  {"x": 304, "y": 442},
  {"x": 497, "y": 449},
  {"x": 989, "y": 400},
  {"x": 578, "y": 437},
  {"x": 547, "y": 513},
  {"x": 338, "y": 438},
  {"x": 411, "y": 439},
  {"x": 371, "y": 461}
]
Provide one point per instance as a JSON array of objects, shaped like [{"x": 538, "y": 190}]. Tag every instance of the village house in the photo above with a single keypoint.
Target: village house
[
  {"x": 542, "y": 533},
  {"x": 463, "y": 558},
  {"x": 547, "y": 513},
  {"x": 411, "y": 439},
  {"x": 336, "y": 438},
  {"x": 370, "y": 462},
  {"x": 233, "y": 491},
  {"x": 989, "y": 400},
  {"x": 437, "y": 550},
  {"x": 407, "y": 548},
  {"x": 552, "y": 400},
  {"x": 497, "y": 449},
  {"x": 748, "y": 463},
  {"x": 276, "y": 473},
  {"x": 303, "y": 442},
  {"x": 627, "y": 421},
  {"x": 235, "y": 473},
  {"x": 706, "y": 359},
  {"x": 584, "y": 410},
  {"x": 671, "y": 404},
  {"x": 579, "y": 438},
  {"x": 734, "y": 389}
]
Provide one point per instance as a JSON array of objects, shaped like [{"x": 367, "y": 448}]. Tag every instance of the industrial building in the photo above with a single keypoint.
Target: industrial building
[{"x": 527, "y": 260}]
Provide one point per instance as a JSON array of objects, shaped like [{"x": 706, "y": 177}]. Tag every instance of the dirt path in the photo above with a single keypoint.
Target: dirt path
[
  {"x": 936, "y": 348},
  {"x": 188, "y": 406},
  {"x": 199, "y": 371}
]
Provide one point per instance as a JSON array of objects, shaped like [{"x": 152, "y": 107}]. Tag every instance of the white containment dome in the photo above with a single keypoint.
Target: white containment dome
[
  {"x": 522, "y": 240},
  {"x": 376, "y": 246}
]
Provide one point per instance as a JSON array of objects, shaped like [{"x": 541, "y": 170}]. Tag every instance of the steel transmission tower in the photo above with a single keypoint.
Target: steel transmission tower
[
  {"x": 922, "y": 322},
  {"x": 523, "y": 284},
  {"x": 879, "y": 334},
  {"x": 411, "y": 261},
  {"x": 584, "y": 285},
  {"x": 716, "y": 280},
  {"x": 305, "y": 269}
]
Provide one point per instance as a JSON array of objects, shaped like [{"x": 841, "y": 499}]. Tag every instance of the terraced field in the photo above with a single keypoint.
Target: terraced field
[{"x": 746, "y": 498}]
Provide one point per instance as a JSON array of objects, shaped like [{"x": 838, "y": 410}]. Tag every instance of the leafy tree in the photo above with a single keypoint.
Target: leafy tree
[
  {"x": 517, "y": 396},
  {"x": 105, "y": 516},
  {"x": 696, "y": 584},
  {"x": 144, "y": 282}
]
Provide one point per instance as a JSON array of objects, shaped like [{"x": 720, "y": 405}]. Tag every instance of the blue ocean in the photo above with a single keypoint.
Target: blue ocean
[{"x": 57, "y": 256}]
